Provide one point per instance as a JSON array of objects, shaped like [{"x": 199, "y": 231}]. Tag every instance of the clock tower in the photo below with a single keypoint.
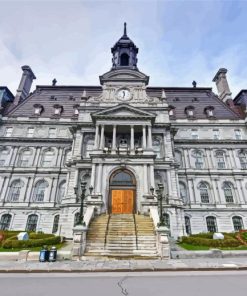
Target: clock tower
[{"x": 124, "y": 82}]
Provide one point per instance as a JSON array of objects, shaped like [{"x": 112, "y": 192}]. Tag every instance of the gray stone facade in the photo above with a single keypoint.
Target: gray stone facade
[{"x": 188, "y": 139}]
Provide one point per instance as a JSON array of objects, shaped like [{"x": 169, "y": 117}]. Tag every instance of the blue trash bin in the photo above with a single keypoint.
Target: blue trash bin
[
  {"x": 43, "y": 255},
  {"x": 53, "y": 254}
]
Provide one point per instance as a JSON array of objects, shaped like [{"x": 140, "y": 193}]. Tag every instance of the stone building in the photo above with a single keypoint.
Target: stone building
[{"x": 123, "y": 138}]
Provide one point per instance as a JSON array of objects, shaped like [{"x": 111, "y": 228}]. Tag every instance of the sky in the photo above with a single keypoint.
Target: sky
[{"x": 179, "y": 41}]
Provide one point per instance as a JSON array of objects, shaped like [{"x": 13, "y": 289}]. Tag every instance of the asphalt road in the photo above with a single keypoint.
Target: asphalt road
[{"x": 131, "y": 284}]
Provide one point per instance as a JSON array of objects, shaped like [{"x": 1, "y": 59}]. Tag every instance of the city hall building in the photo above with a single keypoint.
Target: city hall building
[{"x": 123, "y": 139}]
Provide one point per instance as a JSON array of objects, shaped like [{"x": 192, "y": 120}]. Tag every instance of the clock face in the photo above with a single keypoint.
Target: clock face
[{"x": 123, "y": 94}]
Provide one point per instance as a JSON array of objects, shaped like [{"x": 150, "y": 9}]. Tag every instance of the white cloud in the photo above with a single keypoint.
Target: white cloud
[{"x": 71, "y": 41}]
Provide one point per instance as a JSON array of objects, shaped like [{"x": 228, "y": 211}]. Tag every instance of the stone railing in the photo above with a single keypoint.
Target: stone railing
[
  {"x": 80, "y": 233},
  {"x": 162, "y": 240}
]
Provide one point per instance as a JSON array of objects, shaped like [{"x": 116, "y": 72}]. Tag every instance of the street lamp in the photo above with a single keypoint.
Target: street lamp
[
  {"x": 160, "y": 197},
  {"x": 82, "y": 197}
]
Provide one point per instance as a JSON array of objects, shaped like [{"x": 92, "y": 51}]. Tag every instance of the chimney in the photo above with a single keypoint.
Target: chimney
[
  {"x": 222, "y": 85},
  {"x": 25, "y": 84}
]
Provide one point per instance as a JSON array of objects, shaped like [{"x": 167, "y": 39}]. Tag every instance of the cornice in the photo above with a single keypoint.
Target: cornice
[
  {"x": 35, "y": 140},
  {"x": 209, "y": 141}
]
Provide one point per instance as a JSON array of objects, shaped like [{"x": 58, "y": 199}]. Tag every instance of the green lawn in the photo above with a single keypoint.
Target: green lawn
[
  {"x": 35, "y": 249},
  {"x": 203, "y": 248}
]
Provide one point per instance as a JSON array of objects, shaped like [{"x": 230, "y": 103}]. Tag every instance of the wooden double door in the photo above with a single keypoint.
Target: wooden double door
[{"x": 122, "y": 201}]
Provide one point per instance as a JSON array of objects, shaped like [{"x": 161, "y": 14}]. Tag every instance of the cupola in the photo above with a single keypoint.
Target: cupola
[{"x": 124, "y": 53}]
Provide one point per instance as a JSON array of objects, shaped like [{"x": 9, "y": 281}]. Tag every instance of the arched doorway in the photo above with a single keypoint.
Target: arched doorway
[{"x": 122, "y": 192}]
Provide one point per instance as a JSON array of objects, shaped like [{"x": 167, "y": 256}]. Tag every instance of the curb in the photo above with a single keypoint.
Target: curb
[{"x": 184, "y": 269}]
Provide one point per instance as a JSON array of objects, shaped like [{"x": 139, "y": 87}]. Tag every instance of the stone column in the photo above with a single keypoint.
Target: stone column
[
  {"x": 93, "y": 176},
  {"x": 102, "y": 138},
  {"x": 145, "y": 179},
  {"x": 132, "y": 138},
  {"x": 150, "y": 137},
  {"x": 96, "y": 137},
  {"x": 144, "y": 139},
  {"x": 99, "y": 179},
  {"x": 114, "y": 137},
  {"x": 169, "y": 184},
  {"x": 191, "y": 191}
]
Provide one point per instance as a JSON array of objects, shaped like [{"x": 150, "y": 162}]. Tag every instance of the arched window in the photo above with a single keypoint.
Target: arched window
[
  {"x": 187, "y": 225},
  {"x": 122, "y": 178},
  {"x": 15, "y": 190},
  {"x": 211, "y": 224},
  {"x": 55, "y": 224},
  {"x": 32, "y": 221},
  {"x": 228, "y": 192},
  {"x": 124, "y": 59},
  {"x": 183, "y": 192},
  {"x": 4, "y": 152},
  {"x": 198, "y": 159},
  {"x": 203, "y": 187},
  {"x": 237, "y": 223},
  {"x": 166, "y": 220},
  {"x": 48, "y": 158},
  {"x": 5, "y": 222},
  {"x": 76, "y": 218},
  {"x": 243, "y": 159},
  {"x": 61, "y": 192},
  {"x": 24, "y": 158},
  {"x": 220, "y": 159},
  {"x": 39, "y": 191}
]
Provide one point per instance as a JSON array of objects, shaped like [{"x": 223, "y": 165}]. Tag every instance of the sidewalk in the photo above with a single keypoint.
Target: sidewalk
[{"x": 101, "y": 265}]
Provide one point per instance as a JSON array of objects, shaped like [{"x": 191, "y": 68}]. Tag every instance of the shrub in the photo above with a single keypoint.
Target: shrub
[
  {"x": 214, "y": 243},
  {"x": 35, "y": 240}
]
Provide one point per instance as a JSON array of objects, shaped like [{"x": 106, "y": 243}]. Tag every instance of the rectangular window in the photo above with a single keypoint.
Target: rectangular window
[
  {"x": 52, "y": 132},
  {"x": 30, "y": 132},
  {"x": 8, "y": 131},
  {"x": 216, "y": 134},
  {"x": 238, "y": 135},
  {"x": 194, "y": 134}
]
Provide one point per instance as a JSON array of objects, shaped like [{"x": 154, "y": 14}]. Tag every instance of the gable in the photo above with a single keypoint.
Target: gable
[{"x": 123, "y": 111}]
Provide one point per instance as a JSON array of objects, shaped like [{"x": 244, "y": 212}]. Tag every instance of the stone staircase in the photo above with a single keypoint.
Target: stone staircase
[{"x": 121, "y": 236}]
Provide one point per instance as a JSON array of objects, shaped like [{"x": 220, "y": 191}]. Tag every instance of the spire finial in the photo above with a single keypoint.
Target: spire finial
[{"x": 125, "y": 29}]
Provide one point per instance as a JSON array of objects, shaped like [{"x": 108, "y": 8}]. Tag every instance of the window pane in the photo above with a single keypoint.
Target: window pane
[
  {"x": 237, "y": 223},
  {"x": 228, "y": 193},
  {"x": 187, "y": 225},
  {"x": 211, "y": 224},
  {"x": 32, "y": 223},
  {"x": 5, "y": 222},
  {"x": 204, "y": 193},
  {"x": 55, "y": 224}
]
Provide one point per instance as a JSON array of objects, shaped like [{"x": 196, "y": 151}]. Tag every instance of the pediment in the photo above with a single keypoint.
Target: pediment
[
  {"x": 123, "y": 111},
  {"x": 124, "y": 75}
]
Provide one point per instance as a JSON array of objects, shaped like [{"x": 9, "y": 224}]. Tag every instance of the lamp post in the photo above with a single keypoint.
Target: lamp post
[
  {"x": 82, "y": 198},
  {"x": 160, "y": 197}
]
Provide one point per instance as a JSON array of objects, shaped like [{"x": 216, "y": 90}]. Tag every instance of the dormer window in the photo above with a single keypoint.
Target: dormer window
[
  {"x": 38, "y": 109},
  {"x": 76, "y": 110},
  {"x": 209, "y": 111},
  {"x": 58, "y": 109},
  {"x": 190, "y": 111},
  {"x": 171, "y": 111}
]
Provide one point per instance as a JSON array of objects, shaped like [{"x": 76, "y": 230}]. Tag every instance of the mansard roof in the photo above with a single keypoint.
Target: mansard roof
[
  {"x": 199, "y": 98},
  {"x": 69, "y": 96}
]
